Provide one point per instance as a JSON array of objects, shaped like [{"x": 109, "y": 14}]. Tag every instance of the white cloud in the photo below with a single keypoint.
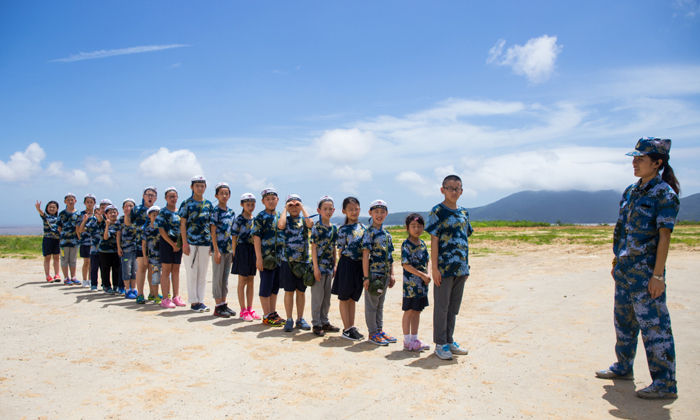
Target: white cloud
[
  {"x": 535, "y": 59},
  {"x": 111, "y": 53},
  {"x": 178, "y": 165},
  {"x": 22, "y": 165},
  {"x": 341, "y": 145},
  {"x": 350, "y": 177},
  {"x": 688, "y": 8},
  {"x": 75, "y": 177},
  {"x": 256, "y": 184},
  {"x": 105, "y": 180},
  {"x": 419, "y": 184},
  {"x": 92, "y": 164}
]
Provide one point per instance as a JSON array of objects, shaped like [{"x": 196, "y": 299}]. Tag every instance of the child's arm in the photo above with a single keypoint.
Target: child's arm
[
  {"x": 119, "y": 243},
  {"x": 390, "y": 261},
  {"x": 234, "y": 243},
  {"x": 307, "y": 220},
  {"x": 434, "y": 250},
  {"x": 38, "y": 208},
  {"x": 105, "y": 235},
  {"x": 365, "y": 268},
  {"x": 416, "y": 272},
  {"x": 282, "y": 222},
  {"x": 257, "y": 244},
  {"x": 215, "y": 244},
  {"x": 164, "y": 235},
  {"x": 144, "y": 247},
  {"x": 314, "y": 259},
  {"x": 81, "y": 228}
]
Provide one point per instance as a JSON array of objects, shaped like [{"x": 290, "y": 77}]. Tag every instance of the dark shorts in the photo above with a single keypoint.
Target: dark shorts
[
  {"x": 167, "y": 255},
  {"x": 139, "y": 253},
  {"x": 84, "y": 251},
  {"x": 414, "y": 304},
  {"x": 269, "y": 282},
  {"x": 289, "y": 281},
  {"x": 244, "y": 261},
  {"x": 51, "y": 246},
  {"x": 347, "y": 283}
]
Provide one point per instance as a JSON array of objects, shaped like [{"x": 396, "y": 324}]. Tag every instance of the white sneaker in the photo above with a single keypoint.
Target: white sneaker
[
  {"x": 443, "y": 352},
  {"x": 86, "y": 283},
  {"x": 457, "y": 350}
]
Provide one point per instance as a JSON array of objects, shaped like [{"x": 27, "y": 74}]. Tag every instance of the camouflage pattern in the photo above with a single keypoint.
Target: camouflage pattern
[
  {"x": 325, "y": 238},
  {"x": 416, "y": 256},
  {"x": 380, "y": 245},
  {"x": 350, "y": 240},
  {"x": 151, "y": 234},
  {"x": 169, "y": 221},
  {"x": 296, "y": 240},
  {"x": 139, "y": 218},
  {"x": 94, "y": 229},
  {"x": 68, "y": 222},
  {"x": 271, "y": 238},
  {"x": 85, "y": 238},
  {"x": 453, "y": 229},
  {"x": 648, "y": 145},
  {"x": 223, "y": 219},
  {"x": 242, "y": 229},
  {"x": 50, "y": 226},
  {"x": 198, "y": 216},
  {"x": 129, "y": 236},
  {"x": 643, "y": 210},
  {"x": 109, "y": 245}
]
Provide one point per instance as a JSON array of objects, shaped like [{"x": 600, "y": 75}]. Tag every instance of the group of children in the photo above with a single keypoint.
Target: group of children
[{"x": 288, "y": 249}]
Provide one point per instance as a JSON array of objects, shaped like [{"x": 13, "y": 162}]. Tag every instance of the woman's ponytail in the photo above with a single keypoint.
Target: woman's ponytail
[{"x": 668, "y": 176}]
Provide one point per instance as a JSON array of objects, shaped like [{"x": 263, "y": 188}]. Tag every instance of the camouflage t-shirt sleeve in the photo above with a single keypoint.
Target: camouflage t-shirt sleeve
[{"x": 667, "y": 211}]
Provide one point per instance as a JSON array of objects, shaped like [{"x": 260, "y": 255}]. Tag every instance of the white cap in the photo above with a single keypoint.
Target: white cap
[
  {"x": 111, "y": 207},
  {"x": 152, "y": 209},
  {"x": 69, "y": 195},
  {"x": 127, "y": 200},
  {"x": 89, "y": 196},
  {"x": 378, "y": 204},
  {"x": 292, "y": 197},
  {"x": 154, "y": 189},
  {"x": 268, "y": 191},
  {"x": 247, "y": 197},
  {"x": 167, "y": 190},
  {"x": 198, "y": 178},
  {"x": 222, "y": 185},
  {"x": 324, "y": 199},
  {"x": 106, "y": 201}
]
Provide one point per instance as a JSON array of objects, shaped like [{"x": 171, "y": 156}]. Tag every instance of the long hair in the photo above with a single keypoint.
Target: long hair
[
  {"x": 668, "y": 176},
  {"x": 46, "y": 209},
  {"x": 347, "y": 202}
]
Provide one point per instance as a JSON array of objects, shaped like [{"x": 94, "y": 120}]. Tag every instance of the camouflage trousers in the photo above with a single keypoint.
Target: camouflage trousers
[{"x": 635, "y": 310}]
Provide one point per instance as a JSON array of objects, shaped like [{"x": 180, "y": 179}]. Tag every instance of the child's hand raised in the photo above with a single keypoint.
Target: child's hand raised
[{"x": 38, "y": 206}]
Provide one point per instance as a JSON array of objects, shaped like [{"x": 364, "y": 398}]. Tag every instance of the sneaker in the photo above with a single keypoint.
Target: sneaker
[
  {"x": 49, "y": 279},
  {"x": 273, "y": 320},
  {"x": 203, "y": 308},
  {"x": 140, "y": 299},
  {"x": 170, "y": 296},
  {"x": 330, "y": 328},
  {"x": 302, "y": 324},
  {"x": 378, "y": 340},
  {"x": 93, "y": 288},
  {"x": 252, "y": 313},
  {"x": 194, "y": 307},
  {"x": 221, "y": 311},
  {"x": 68, "y": 281},
  {"x": 352, "y": 334},
  {"x": 319, "y": 331},
  {"x": 121, "y": 290},
  {"x": 167, "y": 303},
  {"x": 387, "y": 337},
  {"x": 86, "y": 283},
  {"x": 158, "y": 299},
  {"x": 76, "y": 281},
  {"x": 150, "y": 297},
  {"x": 422, "y": 345},
  {"x": 229, "y": 311},
  {"x": 609, "y": 374},
  {"x": 177, "y": 300},
  {"x": 653, "y": 392},
  {"x": 289, "y": 325},
  {"x": 443, "y": 351},
  {"x": 56, "y": 278},
  {"x": 246, "y": 316},
  {"x": 456, "y": 350},
  {"x": 410, "y": 345},
  {"x": 108, "y": 290}
]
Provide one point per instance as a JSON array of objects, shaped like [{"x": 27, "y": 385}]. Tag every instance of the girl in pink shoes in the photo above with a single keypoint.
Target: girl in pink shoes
[
  {"x": 414, "y": 259},
  {"x": 50, "y": 246},
  {"x": 244, "y": 257},
  {"x": 168, "y": 224}
]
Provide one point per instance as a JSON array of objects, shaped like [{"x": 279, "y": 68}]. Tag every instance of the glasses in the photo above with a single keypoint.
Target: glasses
[
  {"x": 150, "y": 195},
  {"x": 453, "y": 190}
]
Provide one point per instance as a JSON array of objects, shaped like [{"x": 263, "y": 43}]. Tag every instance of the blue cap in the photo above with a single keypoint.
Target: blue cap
[{"x": 648, "y": 145}]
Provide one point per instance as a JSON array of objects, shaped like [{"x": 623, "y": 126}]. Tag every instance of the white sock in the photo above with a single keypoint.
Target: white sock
[
  {"x": 414, "y": 337},
  {"x": 407, "y": 338}
]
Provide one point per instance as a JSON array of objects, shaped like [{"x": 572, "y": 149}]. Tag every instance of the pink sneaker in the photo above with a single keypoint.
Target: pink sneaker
[
  {"x": 167, "y": 303},
  {"x": 177, "y": 300},
  {"x": 422, "y": 345},
  {"x": 245, "y": 315},
  {"x": 252, "y": 313}
]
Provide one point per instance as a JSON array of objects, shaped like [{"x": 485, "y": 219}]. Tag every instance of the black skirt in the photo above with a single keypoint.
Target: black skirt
[
  {"x": 347, "y": 283},
  {"x": 244, "y": 261},
  {"x": 414, "y": 304}
]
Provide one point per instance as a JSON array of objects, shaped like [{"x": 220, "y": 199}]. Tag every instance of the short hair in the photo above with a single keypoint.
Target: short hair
[
  {"x": 414, "y": 217},
  {"x": 451, "y": 178}
]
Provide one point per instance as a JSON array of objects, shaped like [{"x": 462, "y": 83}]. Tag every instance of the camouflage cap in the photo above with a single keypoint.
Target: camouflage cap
[{"x": 648, "y": 145}]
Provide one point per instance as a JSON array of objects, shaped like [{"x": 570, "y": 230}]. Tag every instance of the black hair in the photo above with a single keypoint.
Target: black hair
[
  {"x": 347, "y": 202},
  {"x": 86, "y": 199},
  {"x": 414, "y": 217},
  {"x": 220, "y": 188},
  {"x": 668, "y": 176},
  {"x": 46, "y": 209},
  {"x": 451, "y": 178}
]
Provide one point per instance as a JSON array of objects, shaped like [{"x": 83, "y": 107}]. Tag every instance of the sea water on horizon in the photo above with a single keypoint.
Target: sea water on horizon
[{"x": 22, "y": 230}]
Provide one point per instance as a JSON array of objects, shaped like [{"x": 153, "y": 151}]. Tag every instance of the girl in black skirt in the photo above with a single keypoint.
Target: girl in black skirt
[
  {"x": 416, "y": 276},
  {"x": 244, "y": 257}
]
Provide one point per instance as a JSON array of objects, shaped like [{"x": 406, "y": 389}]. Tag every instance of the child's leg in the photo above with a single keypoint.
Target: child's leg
[
  {"x": 301, "y": 302},
  {"x": 47, "y": 265},
  {"x": 288, "y": 304},
  {"x": 141, "y": 268},
  {"x": 326, "y": 281},
  {"x": 116, "y": 270},
  {"x": 265, "y": 303},
  {"x": 175, "y": 273},
  {"x": 165, "y": 279},
  {"x": 153, "y": 288},
  {"x": 56, "y": 258},
  {"x": 104, "y": 270},
  {"x": 273, "y": 302},
  {"x": 371, "y": 313},
  {"x": 64, "y": 262},
  {"x": 94, "y": 269},
  {"x": 317, "y": 301},
  {"x": 406, "y": 322},
  {"x": 454, "y": 304},
  {"x": 242, "y": 283},
  {"x": 217, "y": 280},
  {"x": 249, "y": 291},
  {"x": 73, "y": 261},
  {"x": 415, "y": 322},
  {"x": 86, "y": 268},
  {"x": 380, "y": 309},
  {"x": 347, "y": 313}
]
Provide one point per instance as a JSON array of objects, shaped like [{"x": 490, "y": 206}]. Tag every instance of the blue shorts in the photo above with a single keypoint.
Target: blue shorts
[
  {"x": 167, "y": 255},
  {"x": 269, "y": 282},
  {"x": 84, "y": 251},
  {"x": 289, "y": 281},
  {"x": 51, "y": 246}
]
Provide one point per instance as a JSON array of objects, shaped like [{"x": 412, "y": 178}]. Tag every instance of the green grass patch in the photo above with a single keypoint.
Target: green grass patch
[
  {"x": 23, "y": 246},
  {"x": 507, "y": 223}
]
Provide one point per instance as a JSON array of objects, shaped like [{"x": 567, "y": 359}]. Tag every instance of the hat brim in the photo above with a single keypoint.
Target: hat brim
[{"x": 635, "y": 153}]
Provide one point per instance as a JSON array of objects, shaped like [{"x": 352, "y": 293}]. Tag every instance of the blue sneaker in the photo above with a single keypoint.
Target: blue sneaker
[
  {"x": 289, "y": 325},
  {"x": 140, "y": 299},
  {"x": 195, "y": 307},
  {"x": 301, "y": 323},
  {"x": 110, "y": 291},
  {"x": 93, "y": 288},
  {"x": 203, "y": 308},
  {"x": 121, "y": 291},
  {"x": 443, "y": 351}
]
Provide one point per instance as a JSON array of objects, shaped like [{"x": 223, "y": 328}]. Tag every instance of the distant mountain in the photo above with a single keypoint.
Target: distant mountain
[
  {"x": 690, "y": 208},
  {"x": 552, "y": 206}
]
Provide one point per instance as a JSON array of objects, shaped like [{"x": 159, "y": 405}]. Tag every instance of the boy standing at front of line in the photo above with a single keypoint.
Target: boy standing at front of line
[
  {"x": 449, "y": 229},
  {"x": 195, "y": 218},
  {"x": 68, "y": 222}
]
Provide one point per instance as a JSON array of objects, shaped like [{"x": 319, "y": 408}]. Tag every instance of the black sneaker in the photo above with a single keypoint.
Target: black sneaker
[
  {"x": 352, "y": 334},
  {"x": 221, "y": 311},
  {"x": 319, "y": 331},
  {"x": 228, "y": 310}
]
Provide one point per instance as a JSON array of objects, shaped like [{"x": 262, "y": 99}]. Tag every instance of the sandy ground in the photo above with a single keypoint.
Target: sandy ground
[{"x": 537, "y": 324}]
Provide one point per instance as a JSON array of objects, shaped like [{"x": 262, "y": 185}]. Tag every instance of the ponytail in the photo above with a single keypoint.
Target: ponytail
[{"x": 668, "y": 176}]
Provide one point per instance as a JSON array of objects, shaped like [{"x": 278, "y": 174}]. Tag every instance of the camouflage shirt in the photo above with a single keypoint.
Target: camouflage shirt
[
  {"x": 271, "y": 238},
  {"x": 109, "y": 245},
  {"x": 68, "y": 222},
  {"x": 94, "y": 229},
  {"x": 417, "y": 257},
  {"x": 325, "y": 238},
  {"x": 242, "y": 229},
  {"x": 452, "y": 228},
  {"x": 296, "y": 240},
  {"x": 138, "y": 219},
  {"x": 169, "y": 221},
  {"x": 50, "y": 227},
  {"x": 85, "y": 238},
  {"x": 350, "y": 240},
  {"x": 380, "y": 245},
  {"x": 152, "y": 237},
  {"x": 129, "y": 237},
  {"x": 198, "y": 219},
  {"x": 223, "y": 219}
]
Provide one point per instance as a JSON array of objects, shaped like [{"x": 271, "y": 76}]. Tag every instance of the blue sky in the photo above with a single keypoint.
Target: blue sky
[{"x": 372, "y": 99}]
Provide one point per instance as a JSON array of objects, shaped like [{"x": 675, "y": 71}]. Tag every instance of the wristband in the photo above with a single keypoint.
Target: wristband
[
  {"x": 365, "y": 278},
  {"x": 659, "y": 278}
]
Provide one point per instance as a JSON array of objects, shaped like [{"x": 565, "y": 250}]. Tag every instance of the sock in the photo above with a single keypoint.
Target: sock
[
  {"x": 407, "y": 338},
  {"x": 414, "y": 337}
]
